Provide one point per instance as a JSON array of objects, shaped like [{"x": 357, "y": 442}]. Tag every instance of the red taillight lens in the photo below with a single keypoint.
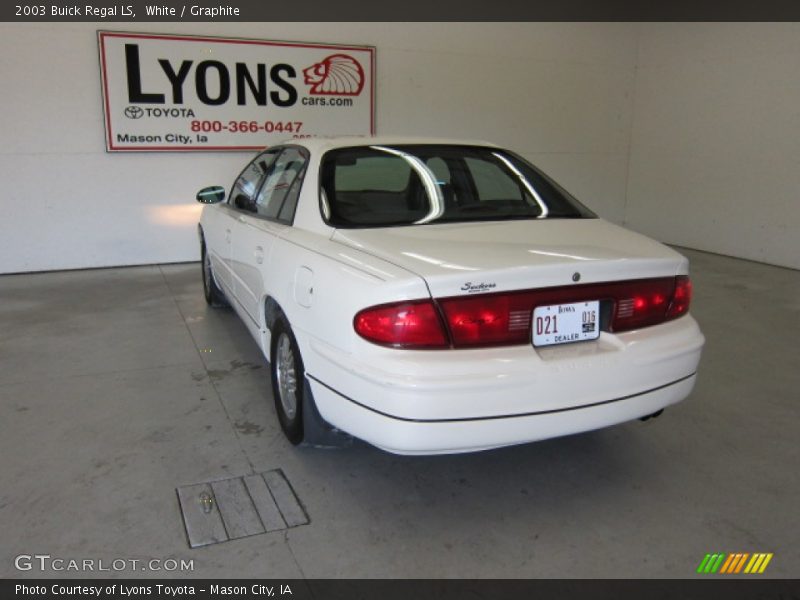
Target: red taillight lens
[
  {"x": 646, "y": 303},
  {"x": 641, "y": 303},
  {"x": 487, "y": 320},
  {"x": 505, "y": 318},
  {"x": 404, "y": 325},
  {"x": 681, "y": 298}
]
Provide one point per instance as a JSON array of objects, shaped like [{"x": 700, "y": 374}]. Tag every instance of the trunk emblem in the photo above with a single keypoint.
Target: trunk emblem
[
  {"x": 471, "y": 288},
  {"x": 576, "y": 277}
]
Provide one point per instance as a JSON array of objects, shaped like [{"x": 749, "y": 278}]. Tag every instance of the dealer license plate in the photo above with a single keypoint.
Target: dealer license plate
[{"x": 566, "y": 323}]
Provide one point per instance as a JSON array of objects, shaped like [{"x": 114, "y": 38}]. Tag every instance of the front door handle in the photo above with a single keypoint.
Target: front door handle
[
  {"x": 228, "y": 235},
  {"x": 259, "y": 254}
]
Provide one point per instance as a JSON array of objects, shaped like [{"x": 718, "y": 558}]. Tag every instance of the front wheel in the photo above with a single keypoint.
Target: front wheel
[{"x": 288, "y": 375}]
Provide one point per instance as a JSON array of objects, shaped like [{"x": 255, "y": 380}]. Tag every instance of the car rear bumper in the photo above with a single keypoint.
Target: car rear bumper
[
  {"x": 430, "y": 402},
  {"x": 403, "y": 436}
]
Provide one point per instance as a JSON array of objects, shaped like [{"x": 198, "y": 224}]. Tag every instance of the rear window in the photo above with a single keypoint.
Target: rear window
[{"x": 382, "y": 186}]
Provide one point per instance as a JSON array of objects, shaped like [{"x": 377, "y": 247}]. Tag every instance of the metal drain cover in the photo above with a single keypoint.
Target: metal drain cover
[{"x": 229, "y": 509}]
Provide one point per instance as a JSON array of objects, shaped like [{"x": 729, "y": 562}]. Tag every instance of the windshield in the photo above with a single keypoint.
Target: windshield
[{"x": 382, "y": 186}]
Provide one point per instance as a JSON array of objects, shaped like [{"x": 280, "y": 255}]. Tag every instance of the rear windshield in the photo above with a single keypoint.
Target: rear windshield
[{"x": 383, "y": 186}]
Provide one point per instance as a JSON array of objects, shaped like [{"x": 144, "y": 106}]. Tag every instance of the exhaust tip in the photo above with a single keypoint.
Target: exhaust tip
[{"x": 653, "y": 416}]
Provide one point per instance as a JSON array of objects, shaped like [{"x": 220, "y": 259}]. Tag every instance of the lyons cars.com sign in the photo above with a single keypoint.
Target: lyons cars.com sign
[{"x": 175, "y": 93}]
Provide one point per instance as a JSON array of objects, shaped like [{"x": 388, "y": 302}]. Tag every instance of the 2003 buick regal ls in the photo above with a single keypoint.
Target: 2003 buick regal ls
[{"x": 436, "y": 297}]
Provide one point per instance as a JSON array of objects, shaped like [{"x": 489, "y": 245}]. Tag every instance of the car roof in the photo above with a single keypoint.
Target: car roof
[{"x": 323, "y": 144}]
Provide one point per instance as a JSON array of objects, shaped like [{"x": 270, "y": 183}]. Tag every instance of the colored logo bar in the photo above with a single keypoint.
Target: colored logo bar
[{"x": 734, "y": 563}]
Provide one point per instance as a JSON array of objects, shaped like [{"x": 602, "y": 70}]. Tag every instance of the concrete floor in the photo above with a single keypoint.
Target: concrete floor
[{"x": 119, "y": 385}]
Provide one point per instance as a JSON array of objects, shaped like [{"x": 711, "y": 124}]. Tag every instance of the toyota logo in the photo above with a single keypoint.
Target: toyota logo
[{"x": 134, "y": 112}]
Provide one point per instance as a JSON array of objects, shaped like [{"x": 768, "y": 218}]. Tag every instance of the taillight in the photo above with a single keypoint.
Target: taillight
[
  {"x": 642, "y": 303},
  {"x": 505, "y": 318},
  {"x": 487, "y": 320},
  {"x": 681, "y": 298},
  {"x": 646, "y": 303},
  {"x": 403, "y": 325}
]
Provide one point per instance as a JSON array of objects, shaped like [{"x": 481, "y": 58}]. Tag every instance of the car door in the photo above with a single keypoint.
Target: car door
[
  {"x": 217, "y": 220},
  {"x": 241, "y": 202},
  {"x": 258, "y": 229}
]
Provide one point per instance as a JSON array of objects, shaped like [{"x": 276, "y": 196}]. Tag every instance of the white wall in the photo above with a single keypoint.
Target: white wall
[
  {"x": 687, "y": 132},
  {"x": 562, "y": 94},
  {"x": 715, "y": 152}
]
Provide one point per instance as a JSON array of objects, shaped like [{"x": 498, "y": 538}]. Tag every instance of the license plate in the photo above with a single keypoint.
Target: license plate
[{"x": 566, "y": 323}]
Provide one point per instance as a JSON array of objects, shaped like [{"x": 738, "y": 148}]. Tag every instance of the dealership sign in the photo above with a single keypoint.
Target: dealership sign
[{"x": 172, "y": 92}]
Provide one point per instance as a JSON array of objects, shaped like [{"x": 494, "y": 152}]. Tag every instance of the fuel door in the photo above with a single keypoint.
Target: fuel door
[{"x": 304, "y": 286}]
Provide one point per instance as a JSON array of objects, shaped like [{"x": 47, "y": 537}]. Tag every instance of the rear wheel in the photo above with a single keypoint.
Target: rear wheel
[
  {"x": 213, "y": 294},
  {"x": 288, "y": 376}
]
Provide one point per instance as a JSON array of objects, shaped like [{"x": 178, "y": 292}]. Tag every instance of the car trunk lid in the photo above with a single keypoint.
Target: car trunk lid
[{"x": 458, "y": 259}]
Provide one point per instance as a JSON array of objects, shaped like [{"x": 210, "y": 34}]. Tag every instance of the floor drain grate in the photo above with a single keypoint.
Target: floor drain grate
[{"x": 239, "y": 507}]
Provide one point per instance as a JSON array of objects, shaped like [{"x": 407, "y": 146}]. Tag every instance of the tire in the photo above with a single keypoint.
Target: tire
[
  {"x": 288, "y": 378},
  {"x": 215, "y": 297}
]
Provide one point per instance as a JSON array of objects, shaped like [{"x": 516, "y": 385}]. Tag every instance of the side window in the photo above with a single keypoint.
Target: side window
[
  {"x": 244, "y": 189},
  {"x": 439, "y": 168},
  {"x": 290, "y": 203},
  {"x": 278, "y": 196}
]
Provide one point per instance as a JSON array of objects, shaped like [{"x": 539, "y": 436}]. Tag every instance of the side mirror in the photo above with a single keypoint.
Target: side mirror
[{"x": 211, "y": 195}]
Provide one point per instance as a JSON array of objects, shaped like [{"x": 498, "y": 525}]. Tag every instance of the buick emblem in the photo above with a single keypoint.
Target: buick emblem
[
  {"x": 133, "y": 112},
  {"x": 576, "y": 277}
]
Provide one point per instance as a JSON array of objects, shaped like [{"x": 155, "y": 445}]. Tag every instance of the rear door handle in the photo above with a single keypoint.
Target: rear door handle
[
  {"x": 259, "y": 254},
  {"x": 228, "y": 235}
]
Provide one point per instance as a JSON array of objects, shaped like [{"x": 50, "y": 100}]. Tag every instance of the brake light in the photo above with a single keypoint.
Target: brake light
[
  {"x": 505, "y": 318},
  {"x": 403, "y": 325},
  {"x": 641, "y": 303},
  {"x": 681, "y": 298},
  {"x": 488, "y": 320}
]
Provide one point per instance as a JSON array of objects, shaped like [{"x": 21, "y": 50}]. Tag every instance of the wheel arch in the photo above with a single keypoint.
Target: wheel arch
[
  {"x": 272, "y": 312},
  {"x": 316, "y": 431}
]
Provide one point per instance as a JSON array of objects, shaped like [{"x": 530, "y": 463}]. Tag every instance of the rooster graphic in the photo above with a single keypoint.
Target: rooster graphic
[{"x": 337, "y": 75}]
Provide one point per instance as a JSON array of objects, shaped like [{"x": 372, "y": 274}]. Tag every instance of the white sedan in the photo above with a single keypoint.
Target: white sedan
[{"x": 434, "y": 296}]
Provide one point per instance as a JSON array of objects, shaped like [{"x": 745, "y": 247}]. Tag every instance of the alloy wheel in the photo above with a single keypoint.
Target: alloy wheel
[{"x": 287, "y": 376}]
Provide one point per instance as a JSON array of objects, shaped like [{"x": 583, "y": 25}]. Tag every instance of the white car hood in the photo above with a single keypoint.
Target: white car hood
[{"x": 463, "y": 258}]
